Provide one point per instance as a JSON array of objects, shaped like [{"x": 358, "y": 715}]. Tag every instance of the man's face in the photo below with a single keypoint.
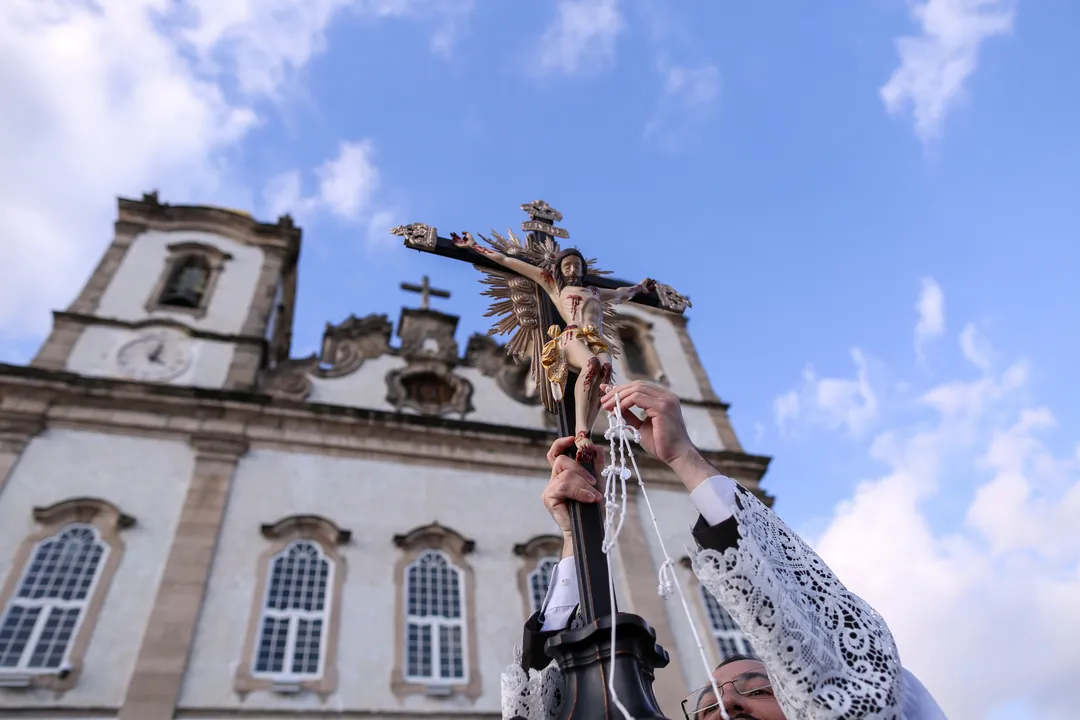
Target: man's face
[
  {"x": 571, "y": 269},
  {"x": 754, "y": 702}
]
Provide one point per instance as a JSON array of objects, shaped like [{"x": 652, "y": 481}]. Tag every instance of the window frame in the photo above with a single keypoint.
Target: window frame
[
  {"x": 437, "y": 623},
  {"x": 533, "y": 553},
  {"x": 454, "y": 548},
  {"x": 294, "y": 617},
  {"x": 105, "y": 521},
  {"x": 179, "y": 253},
  {"x": 720, "y": 635},
  {"x": 328, "y": 538},
  {"x": 640, "y": 331}
]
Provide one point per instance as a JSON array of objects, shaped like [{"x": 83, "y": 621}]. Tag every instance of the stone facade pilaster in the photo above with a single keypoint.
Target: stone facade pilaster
[
  {"x": 159, "y": 671},
  {"x": 717, "y": 411},
  {"x": 247, "y": 357},
  {"x": 56, "y": 349},
  {"x": 17, "y": 429}
]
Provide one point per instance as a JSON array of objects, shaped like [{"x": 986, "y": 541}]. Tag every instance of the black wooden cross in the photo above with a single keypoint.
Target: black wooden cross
[
  {"x": 587, "y": 525},
  {"x": 426, "y": 292}
]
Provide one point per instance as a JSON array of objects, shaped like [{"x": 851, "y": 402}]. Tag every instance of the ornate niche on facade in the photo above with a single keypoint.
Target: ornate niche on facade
[
  {"x": 491, "y": 359},
  {"x": 345, "y": 348},
  {"x": 427, "y": 383}
]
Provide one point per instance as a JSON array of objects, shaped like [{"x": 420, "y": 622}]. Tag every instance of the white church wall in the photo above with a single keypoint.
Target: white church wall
[
  {"x": 126, "y": 297},
  {"x": 495, "y": 407},
  {"x": 701, "y": 428},
  {"x": 673, "y": 360},
  {"x": 145, "y": 478},
  {"x": 375, "y": 500},
  {"x": 95, "y": 355},
  {"x": 366, "y": 387}
]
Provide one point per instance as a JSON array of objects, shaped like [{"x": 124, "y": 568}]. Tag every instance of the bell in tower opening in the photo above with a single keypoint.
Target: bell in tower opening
[{"x": 186, "y": 286}]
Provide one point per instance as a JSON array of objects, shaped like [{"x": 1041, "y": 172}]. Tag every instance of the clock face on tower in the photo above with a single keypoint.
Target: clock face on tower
[{"x": 154, "y": 356}]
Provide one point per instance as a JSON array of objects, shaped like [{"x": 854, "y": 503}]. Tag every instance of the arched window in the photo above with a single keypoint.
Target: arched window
[
  {"x": 291, "y": 643},
  {"x": 633, "y": 353},
  {"x": 539, "y": 580},
  {"x": 434, "y": 634},
  {"x": 187, "y": 283},
  {"x": 729, "y": 639},
  {"x": 638, "y": 356},
  {"x": 191, "y": 273},
  {"x": 435, "y": 651},
  {"x": 294, "y": 615},
  {"x": 39, "y": 622}
]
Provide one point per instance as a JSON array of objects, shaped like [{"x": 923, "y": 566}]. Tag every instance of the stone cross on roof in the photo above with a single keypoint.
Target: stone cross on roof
[{"x": 426, "y": 292}]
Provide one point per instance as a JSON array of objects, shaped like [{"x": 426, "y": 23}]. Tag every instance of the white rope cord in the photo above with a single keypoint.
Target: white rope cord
[{"x": 617, "y": 428}]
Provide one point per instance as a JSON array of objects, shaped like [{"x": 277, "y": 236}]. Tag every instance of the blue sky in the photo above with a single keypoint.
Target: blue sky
[{"x": 810, "y": 174}]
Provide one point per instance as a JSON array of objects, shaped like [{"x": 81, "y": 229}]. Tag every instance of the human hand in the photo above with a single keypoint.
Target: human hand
[
  {"x": 663, "y": 431},
  {"x": 569, "y": 481}
]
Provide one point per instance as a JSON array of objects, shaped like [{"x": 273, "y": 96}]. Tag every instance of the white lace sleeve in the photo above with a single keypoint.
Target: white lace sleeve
[
  {"x": 531, "y": 695},
  {"x": 829, "y": 654}
]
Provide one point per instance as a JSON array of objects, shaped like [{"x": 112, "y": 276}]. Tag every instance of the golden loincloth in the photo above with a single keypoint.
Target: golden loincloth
[{"x": 553, "y": 358}]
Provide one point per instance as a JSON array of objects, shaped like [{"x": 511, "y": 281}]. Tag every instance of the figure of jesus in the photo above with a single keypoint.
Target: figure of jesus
[{"x": 581, "y": 344}]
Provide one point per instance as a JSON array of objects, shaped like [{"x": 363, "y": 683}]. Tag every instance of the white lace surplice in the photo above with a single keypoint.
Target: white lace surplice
[{"x": 830, "y": 656}]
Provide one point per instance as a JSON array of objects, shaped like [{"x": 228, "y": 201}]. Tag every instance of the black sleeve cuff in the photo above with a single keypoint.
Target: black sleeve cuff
[
  {"x": 533, "y": 640},
  {"x": 717, "y": 537}
]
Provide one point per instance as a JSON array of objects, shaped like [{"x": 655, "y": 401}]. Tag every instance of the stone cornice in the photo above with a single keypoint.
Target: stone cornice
[
  {"x": 156, "y": 322},
  {"x": 242, "y": 418},
  {"x": 152, "y": 214}
]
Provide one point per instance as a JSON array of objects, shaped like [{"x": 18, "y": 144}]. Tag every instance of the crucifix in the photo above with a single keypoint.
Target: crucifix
[
  {"x": 559, "y": 308},
  {"x": 426, "y": 292}
]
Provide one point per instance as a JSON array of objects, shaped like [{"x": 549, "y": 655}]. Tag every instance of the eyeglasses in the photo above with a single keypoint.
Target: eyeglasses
[{"x": 701, "y": 703}]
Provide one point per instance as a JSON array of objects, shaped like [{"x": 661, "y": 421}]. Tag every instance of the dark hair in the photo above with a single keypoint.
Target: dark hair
[
  {"x": 734, "y": 658},
  {"x": 560, "y": 279}
]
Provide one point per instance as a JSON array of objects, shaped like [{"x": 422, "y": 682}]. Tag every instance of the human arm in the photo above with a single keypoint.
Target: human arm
[
  {"x": 525, "y": 269},
  {"x": 829, "y": 654},
  {"x": 623, "y": 294}
]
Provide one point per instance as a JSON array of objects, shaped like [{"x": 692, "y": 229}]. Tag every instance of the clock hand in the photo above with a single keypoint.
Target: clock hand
[{"x": 155, "y": 357}]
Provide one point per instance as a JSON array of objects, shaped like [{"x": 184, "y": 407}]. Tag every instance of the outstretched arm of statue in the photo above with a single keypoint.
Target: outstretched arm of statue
[
  {"x": 525, "y": 269},
  {"x": 624, "y": 294}
]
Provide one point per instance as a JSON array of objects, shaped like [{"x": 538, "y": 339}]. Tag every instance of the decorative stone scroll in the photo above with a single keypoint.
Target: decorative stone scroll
[
  {"x": 491, "y": 359},
  {"x": 345, "y": 348}
]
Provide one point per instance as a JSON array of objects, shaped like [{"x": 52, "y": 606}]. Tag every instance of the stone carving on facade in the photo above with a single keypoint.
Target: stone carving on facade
[
  {"x": 428, "y": 335},
  {"x": 290, "y": 379},
  {"x": 492, "y": 360},
  {"x": 417, "y": 235},
  {"x": 345, "y": 347},
  {"x": 430, "y": 388}
]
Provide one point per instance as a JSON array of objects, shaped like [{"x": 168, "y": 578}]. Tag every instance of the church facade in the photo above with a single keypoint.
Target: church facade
[{"x": 194, "y": 524}]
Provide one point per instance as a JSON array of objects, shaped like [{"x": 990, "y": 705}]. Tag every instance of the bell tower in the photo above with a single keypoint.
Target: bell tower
[{"x": 184, "y": 295}]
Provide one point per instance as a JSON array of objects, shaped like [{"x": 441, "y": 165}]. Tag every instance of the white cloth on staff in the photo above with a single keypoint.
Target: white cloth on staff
[{"x": 828, "y": 653}]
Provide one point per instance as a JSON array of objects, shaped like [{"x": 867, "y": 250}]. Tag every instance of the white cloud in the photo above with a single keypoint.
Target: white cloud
[
  {"x": 975, "y": 347},
  {"x": 118, "y": 98},
  {"x": 849, "y": 403},
  {"x": 687, "y": 99},
  {"x": 582, "y": 37},
  {"x": 997, "y": 587},
  {"x": 345, "y": 188},
  {"x": 935, "y": 64},
  {"x": 931, "y": 310}
]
